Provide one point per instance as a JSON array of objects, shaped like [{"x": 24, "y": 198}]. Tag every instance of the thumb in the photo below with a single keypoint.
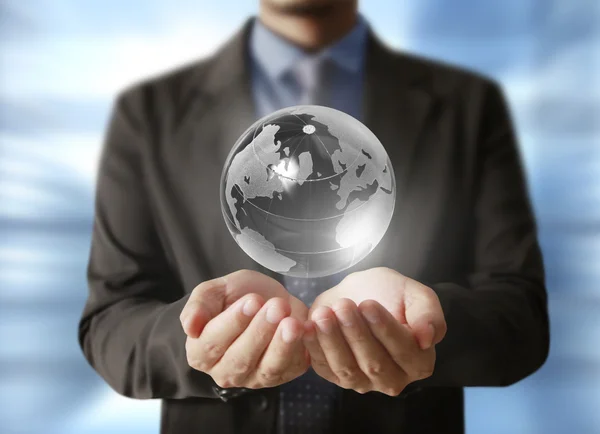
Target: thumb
[
  {"x": 424, "y": 314},
  {"x": 204, "y": 303}
]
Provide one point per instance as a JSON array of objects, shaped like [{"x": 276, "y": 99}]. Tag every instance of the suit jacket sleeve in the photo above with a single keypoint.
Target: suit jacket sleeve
[
  {"x": 130, "y": 331},
  {"x": 497, "y": 321}
]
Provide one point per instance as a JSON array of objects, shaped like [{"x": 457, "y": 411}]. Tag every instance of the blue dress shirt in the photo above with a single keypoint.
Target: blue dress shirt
[{"x": 271, "y": 57}]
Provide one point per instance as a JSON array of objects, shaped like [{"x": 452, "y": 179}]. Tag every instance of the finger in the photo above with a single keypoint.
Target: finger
[
  {"x": 317, "y": 357},
  {"x": 243, "y": 355},
  {"x": 222, "y": 331},
  {"x": 204, "y": 303},
  {"x": 337, "y": 352},
  {"x": 424, "y": 313},
  {"x": 284, "y": 358},
  {"x": 398, "y": 340},
  {"x": 372, "y": 358}
]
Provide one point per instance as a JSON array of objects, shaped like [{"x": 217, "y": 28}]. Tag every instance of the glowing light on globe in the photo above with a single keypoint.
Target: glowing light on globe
[{"x": 308, "y": 191}]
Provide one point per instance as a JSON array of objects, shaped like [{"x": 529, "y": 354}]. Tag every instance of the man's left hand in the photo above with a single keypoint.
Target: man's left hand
[{"x": 375, "y": 331}]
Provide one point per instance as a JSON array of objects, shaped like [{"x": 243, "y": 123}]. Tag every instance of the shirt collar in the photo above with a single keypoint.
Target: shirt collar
[{"x": 277, "y": 55}]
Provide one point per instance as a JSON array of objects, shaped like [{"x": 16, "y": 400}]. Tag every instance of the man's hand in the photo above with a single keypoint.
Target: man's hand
[
  {"x": 375, "y": 331},
  {"x": 245, "y": 330}
]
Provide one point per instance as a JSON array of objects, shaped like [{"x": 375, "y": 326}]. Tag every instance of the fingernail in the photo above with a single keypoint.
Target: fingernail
[
  {"x": 274, "y": 314},
  {"x": 187, "y": 321},
  {"x": 288, "y": 335},
  {"x": 370, "y": 313},
  {"x": 251, "y": 307},
  {"x": 428, "y": 340},
  {"x": 322, "y": 318},
  {"x": 324, "y": 325},
  {"x": 345, "y": 316}
]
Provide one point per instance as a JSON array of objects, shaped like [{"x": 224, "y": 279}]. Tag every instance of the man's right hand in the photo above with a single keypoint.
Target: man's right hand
[{"x": 245, "y": 330}]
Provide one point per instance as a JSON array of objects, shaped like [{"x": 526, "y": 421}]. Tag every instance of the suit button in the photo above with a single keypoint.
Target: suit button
[{"x": 261, "y": 403}]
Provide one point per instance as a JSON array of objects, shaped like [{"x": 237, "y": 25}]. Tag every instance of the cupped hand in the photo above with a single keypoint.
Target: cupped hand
[
  {"x": 375, "y": 331},
  {"x": 245, "y": 330}
]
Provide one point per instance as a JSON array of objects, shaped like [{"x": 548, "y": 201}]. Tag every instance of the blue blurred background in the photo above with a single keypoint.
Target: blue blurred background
[{"x": 63, "y": 61}]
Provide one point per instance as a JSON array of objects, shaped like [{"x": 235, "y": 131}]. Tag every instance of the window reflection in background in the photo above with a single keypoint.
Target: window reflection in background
[{"x": 62, "y": 64}]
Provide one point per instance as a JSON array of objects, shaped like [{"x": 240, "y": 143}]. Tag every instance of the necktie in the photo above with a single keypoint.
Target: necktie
[
  {"x": 307, "y": 403},
  {"x": 310, "y": 77}
]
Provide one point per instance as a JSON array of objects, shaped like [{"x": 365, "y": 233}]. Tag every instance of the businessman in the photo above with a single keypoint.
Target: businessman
[{"x": 453, "y": 296}]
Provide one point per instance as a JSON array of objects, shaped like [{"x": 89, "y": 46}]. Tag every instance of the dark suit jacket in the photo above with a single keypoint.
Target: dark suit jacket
[{"x": 462, "y": 224}]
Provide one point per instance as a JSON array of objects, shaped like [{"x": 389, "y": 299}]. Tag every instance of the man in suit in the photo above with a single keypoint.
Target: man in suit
[{"x": 453, "y": 295}]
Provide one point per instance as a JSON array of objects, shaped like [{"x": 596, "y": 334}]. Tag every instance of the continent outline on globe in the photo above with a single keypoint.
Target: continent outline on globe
[{"x": 307, "y": 191}]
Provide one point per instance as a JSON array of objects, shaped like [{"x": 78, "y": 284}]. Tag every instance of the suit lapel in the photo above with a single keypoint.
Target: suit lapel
[{"x": 226, "y": 109}]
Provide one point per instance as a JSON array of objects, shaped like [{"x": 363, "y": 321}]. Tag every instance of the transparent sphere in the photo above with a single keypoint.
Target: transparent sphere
[{"x": 308, "y": 191}]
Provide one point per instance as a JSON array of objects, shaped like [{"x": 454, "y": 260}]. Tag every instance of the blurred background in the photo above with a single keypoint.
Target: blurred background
[{"x": 63, "y": 61}]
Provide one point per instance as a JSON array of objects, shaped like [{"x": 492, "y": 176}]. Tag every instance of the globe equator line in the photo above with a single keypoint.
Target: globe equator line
[
  {"x": 294, "y": 219},
  {"x": 289, "y": 251}
]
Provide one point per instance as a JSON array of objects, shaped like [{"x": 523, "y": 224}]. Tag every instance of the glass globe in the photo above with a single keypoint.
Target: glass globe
[{"x": 308, "y": 191}]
